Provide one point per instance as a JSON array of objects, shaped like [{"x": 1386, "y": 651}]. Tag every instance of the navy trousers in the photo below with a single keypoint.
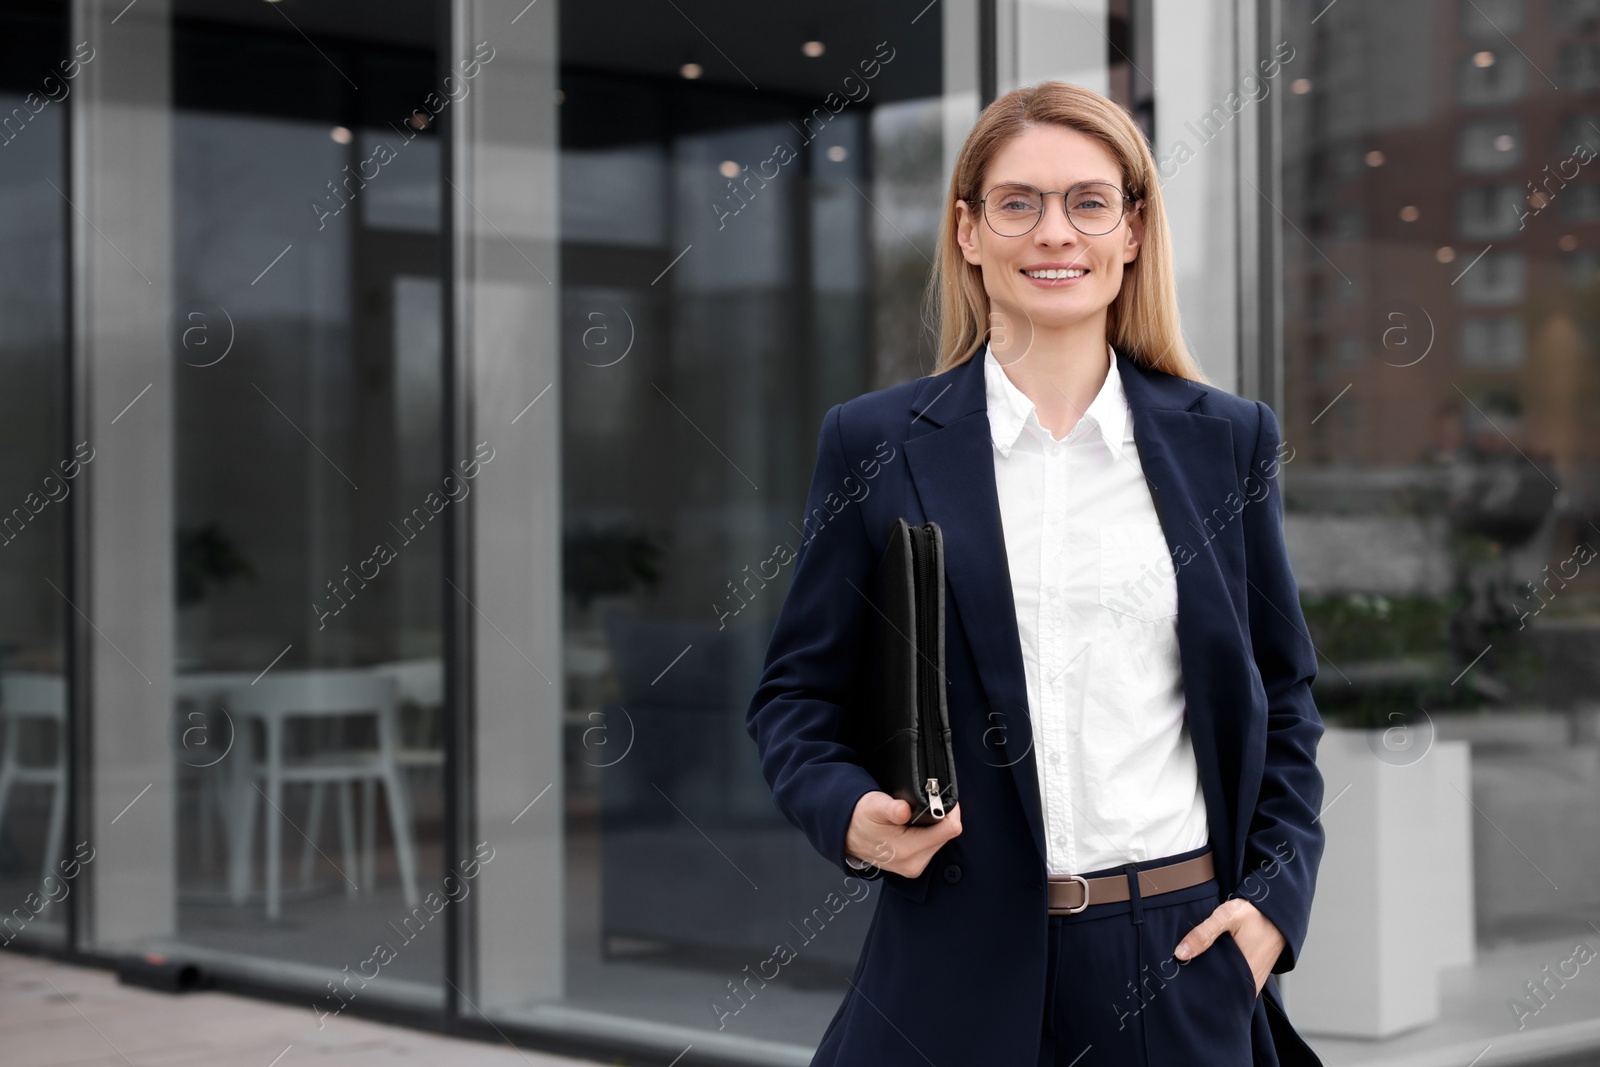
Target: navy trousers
[{"x": 1116, "y": 996}]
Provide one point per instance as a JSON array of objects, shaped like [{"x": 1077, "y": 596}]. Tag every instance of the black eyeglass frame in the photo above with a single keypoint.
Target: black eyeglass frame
[{"x": 1127, "y": 199}]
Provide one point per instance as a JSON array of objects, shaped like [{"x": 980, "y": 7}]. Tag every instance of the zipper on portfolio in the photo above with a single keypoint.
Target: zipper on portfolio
[
  {"x": 935, "y": 801},
  {"x": 928, "y": 681}
]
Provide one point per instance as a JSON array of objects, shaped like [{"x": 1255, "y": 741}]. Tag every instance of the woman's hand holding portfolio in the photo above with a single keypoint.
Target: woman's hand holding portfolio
[{"x": 879, "y": 835}]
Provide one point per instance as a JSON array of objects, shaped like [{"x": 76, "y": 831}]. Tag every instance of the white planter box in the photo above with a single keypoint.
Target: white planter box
[
  {"x": 1394, "y": 892},
  {"x": 1450, "y": 834}
]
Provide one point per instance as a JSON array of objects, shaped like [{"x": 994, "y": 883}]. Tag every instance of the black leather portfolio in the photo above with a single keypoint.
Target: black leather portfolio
[{"x": 902, "y": 734}]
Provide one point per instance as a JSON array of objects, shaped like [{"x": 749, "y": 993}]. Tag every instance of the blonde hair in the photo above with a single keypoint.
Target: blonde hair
[{"x": 1142, "y": 322}]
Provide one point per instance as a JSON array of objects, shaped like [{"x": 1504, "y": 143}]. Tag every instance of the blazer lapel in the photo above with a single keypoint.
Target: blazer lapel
[
  {"x": 949, "y": 455},
  {"x": 950, "y": 458},
  {"x": 1189, "y": 464}
]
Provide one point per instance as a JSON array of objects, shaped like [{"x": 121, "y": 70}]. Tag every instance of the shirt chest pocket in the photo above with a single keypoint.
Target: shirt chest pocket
[{"x": 1137, "y": 575}]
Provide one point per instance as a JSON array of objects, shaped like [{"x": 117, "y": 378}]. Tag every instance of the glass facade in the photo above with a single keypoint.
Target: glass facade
[
  {"x": 1440, "y": 388},
  {"x": 720, "y": 260},
  {"x": 408, "y": 407},
  {"x": 39, "y": 472},
  {"x": 306, "y": 429},
  {"x": 1439, "y": 393}
]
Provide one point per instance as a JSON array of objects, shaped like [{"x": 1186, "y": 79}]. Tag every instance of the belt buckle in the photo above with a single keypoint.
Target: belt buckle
[{"x": 1081, "y": 880}]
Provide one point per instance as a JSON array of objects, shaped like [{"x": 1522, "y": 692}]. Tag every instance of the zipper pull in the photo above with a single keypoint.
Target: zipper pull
[{"x": 935, "y": 802}]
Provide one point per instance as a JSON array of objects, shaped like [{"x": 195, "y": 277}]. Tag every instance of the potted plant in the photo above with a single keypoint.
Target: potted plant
[{"x": 206, "y": 558}]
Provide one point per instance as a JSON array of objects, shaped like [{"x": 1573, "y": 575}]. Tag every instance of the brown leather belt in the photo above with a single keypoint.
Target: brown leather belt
[{"x": 1071, "y": 893}]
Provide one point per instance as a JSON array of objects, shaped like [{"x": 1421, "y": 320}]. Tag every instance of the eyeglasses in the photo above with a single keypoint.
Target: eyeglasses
[{"x": 1093, "y": 208}]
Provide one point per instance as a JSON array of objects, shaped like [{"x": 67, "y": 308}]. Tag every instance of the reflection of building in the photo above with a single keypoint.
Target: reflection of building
[
  {"x": 1449, "y": 198},
  {"x": 1440, "y": 378},
  {"x": 1439, "y": 290},
  {"x": 451, "y": 371}
]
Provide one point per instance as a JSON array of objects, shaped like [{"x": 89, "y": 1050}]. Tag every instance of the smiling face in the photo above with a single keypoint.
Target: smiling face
[{"x": 1085, "y": 272}]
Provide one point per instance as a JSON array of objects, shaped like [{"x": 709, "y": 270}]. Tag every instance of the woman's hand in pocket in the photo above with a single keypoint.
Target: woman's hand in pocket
[
  {"x": 1258, "y": 939},
  {"x": 879, "y": 835}
]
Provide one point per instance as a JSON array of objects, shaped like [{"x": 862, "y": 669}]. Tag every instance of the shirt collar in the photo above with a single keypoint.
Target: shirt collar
[{"x": 1010, "y": 410}]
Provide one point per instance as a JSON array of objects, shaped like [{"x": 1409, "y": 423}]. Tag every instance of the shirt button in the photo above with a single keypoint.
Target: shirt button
[
  {"x": 952, "y": 873},
  {"x": 1053, "y": 759},
  {"x": 1055, "y": 450}
]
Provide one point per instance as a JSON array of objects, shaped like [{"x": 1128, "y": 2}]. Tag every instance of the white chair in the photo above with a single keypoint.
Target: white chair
[
  {"x": 318, "y": 698},
  {"x": 41, "y": 697},
  {"x": 213, "y": 745},
  {"x": 420, "y": 682}
]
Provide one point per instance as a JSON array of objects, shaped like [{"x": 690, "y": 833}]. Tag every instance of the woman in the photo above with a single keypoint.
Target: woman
[{"x": 1127, "y": 667}]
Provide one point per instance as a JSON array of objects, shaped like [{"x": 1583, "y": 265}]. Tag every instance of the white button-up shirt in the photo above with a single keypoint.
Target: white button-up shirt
[{"x": 1097, "y": 612}]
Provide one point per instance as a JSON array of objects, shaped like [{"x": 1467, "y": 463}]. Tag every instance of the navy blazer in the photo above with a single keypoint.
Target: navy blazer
[{"x": 952, "y": 971}]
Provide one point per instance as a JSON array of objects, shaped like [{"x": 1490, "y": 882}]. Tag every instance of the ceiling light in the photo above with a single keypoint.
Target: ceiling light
[
  {"x": 1409, "y": 213},
  {"x": 340, "y": 133},
  {"x": 729, "y": 169},
  {"x": 1374, "y": 158},
  {"x": 691, "y": 70},
  {"x": 813, "y": 48},
  {"x": 1483, "y": 59}
]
